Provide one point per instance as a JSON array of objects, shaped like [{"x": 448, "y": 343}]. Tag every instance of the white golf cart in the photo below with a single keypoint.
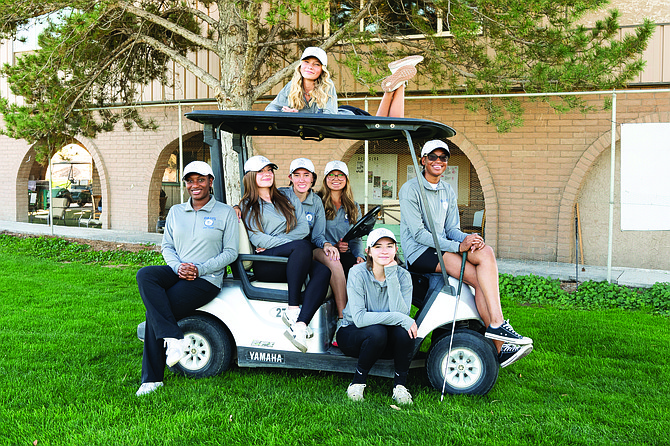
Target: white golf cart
[{"x": 243, "y": 322}]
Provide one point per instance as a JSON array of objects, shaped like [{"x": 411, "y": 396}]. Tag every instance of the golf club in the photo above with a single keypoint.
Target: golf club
[{"x": 453, "y": 322}]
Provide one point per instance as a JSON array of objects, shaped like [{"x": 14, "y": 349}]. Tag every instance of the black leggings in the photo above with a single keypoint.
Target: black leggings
[
  {"x": 300, "y": 263},
  {"x": 373, "y": 342}
]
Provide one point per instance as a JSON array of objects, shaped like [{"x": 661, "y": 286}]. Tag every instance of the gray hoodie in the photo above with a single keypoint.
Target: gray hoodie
[
  {"x": 338, "y": 228},
  {"x": 415, "y": 233},
  {"x": 209, "y": 238},
  {"x": 314, "y": 214},
  {"x": 372, "y": 302},
  {"x": 273, "y": 233}
]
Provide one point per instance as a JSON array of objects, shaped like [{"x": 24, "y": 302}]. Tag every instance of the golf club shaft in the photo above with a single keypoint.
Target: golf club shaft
[{"x": 453, "y": 322}]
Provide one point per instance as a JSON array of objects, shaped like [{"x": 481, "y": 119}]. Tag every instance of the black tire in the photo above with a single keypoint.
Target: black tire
[
  {"x": 211, "y": 348},
  {"x": 473, "y": 366}
]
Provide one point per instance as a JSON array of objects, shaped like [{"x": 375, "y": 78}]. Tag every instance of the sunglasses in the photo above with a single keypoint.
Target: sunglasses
[{"x": 433, "y": 157}]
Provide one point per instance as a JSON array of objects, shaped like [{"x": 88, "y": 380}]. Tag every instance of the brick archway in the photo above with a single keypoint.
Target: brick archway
[
  {"x": 346, "y": 150},
  {"x": 564, "y": 242},
  {"x": 24, "y": 171}
]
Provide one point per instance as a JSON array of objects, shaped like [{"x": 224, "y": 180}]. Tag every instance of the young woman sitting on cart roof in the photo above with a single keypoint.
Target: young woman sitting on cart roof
[
  {"x": 481, "y": 268},
  {"x": 376, "y": 320},
  {"x": 312, "y": 91},
  {"x": 277, "y": 226}
]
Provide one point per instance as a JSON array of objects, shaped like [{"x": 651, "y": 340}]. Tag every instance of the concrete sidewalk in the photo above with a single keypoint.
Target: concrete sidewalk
[{"x": 634, "y": 277}]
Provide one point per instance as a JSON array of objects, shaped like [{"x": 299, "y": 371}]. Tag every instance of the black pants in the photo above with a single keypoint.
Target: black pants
[
  {"x": 347, "y": 259},
  {"x": 167, "y": 299},
  {"x": 300, "y": 264},
  {"x": 373, "y": 342}
]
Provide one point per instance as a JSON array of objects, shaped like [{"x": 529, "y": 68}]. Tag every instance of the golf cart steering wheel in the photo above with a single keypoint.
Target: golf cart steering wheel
[{"x": 364, "y": 225}]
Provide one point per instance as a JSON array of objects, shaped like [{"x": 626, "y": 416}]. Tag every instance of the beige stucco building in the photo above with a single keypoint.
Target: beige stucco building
[{"x": 529, "y": 180}]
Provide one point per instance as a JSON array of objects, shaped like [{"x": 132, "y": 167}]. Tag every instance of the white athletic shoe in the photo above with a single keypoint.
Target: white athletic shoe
[
  {"x": 177, "y": 349},
  {"x": 297, "y": 334},
  {"x": 355, "y": 392},
  {"x": 401, "y": 395},
  {"x": 148, "y": 388},
  {"x": 405, "y": 61},
  {"x": 290, "y": 317}
]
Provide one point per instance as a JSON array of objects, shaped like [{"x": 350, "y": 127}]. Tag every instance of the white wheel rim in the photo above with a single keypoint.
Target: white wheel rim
[
  {"x": 464, "y": 368},
  {"x": 199, "y": 353}
]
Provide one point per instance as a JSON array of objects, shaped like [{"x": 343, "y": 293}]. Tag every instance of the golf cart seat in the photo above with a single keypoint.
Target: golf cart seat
[{"x": 253, "y": 287}]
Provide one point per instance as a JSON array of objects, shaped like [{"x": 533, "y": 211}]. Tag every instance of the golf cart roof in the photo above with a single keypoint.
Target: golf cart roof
[{"x": 319, "y": 126}]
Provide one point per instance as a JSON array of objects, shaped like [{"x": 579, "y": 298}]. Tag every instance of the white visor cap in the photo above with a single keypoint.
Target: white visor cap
[
  {"x": 301, "y": 163},
  {"x": 256, "y": 163},
  {"x": 315, "y": 51},
  {"x": 336, "y": 165},
  {"x": 378, "y": 234},
  {"x": 434, "y": 145},
  {"x": 199, "y": 167}
]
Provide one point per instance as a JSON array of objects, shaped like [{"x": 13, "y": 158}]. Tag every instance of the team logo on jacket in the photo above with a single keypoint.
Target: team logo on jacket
[
  {"x": 209, "y": 222},
  {"x": 445, "y": 204},
  {"x": 309, "y": 216}
]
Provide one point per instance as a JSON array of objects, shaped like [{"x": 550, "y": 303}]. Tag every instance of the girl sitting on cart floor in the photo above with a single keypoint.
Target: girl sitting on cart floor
[
  {"x": 376, "y": 319},
  {"x": 277, "y": 227}
]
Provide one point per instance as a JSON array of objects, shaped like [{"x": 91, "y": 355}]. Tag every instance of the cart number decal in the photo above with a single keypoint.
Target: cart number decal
[{"x": 265, "y": 357}]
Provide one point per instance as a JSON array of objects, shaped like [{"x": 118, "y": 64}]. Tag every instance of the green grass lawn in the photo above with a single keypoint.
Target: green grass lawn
[{"x": 70, "y": 365}]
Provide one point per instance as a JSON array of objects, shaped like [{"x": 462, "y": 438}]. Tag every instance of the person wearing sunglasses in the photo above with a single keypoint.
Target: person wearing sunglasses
[
  {"x": 481, "y": 269},
  {"x": 277, "y": 226}
]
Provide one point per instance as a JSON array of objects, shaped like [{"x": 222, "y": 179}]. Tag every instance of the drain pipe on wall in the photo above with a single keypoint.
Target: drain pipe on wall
[{"x": 181, "y": 156}]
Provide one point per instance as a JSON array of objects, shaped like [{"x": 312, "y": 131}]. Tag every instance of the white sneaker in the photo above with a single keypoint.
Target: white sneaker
[
  {"x": 290, "y": 317},
  {"x": 401, "y": 395},
  {"x": 355, "y": 392},
  {"x": 297, "y": 334},
  {"x": 405, "y": 61},
  {"x": 148, "y": 388},
  {"x": 177, "y": 349}
]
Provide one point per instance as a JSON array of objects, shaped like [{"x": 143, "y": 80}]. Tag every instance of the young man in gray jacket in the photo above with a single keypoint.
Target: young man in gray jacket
[
  {"x": 201, "y": 238},
  {"x": 481, "y": 269}
]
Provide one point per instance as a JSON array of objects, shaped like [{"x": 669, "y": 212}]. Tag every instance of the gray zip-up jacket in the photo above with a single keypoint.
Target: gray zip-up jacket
[
  {"x": 372, "y": 302},
  {"x": 314, "y": 214},
  {"x": 338, "y": 228},
  {"x": 209, "y": 238},
  {"x": 273, "y": 233},
  {"x": 281, "y": 100},
  {"x": 415, "y": 233}
]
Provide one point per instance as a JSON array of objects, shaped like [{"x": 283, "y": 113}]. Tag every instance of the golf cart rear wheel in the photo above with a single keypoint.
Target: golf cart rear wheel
[
  {"x": 472, "y": 368},
  {"x": 211, "y": 350}
]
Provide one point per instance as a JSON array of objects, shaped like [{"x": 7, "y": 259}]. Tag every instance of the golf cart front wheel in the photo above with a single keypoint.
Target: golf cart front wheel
[
  {"x": 472, "y": 367},
  {"x": 210, "y": 351}
]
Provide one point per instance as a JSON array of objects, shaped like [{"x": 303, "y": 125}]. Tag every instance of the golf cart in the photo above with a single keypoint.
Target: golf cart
[{"x": 243, "y": 323}]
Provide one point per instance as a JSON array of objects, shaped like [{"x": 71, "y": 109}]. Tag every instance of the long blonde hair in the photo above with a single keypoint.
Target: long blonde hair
[
  {"x": 348, "y": 202},
  {"x": 319, "y": 96},
  {"x": 251, "y": 207}
]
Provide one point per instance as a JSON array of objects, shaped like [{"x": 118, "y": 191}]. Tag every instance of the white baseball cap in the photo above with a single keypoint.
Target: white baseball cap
[
  {"x": 315, "y": 51},
  {"x": 301, "y": 163},
  {"x": 435, "y": 144},
  {"x": 379, "y": 233},
  {"x": 256, "y": 163},
  {"x": 336, "y": 165},
  {"x": 199, "y": 167}
]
